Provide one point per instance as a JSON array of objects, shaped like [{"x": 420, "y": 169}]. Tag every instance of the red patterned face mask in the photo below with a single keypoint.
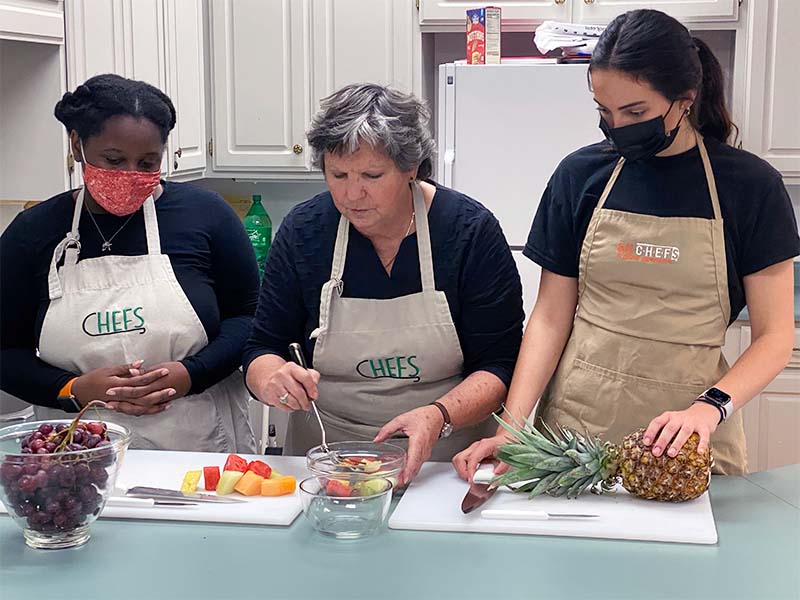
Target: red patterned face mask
[{"x": 119, "y": 192}]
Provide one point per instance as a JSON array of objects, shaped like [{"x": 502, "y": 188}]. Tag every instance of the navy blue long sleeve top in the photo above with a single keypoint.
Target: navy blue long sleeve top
[
  {"x": 472, "y": 265},
  {"x": 210, "y": 254}
]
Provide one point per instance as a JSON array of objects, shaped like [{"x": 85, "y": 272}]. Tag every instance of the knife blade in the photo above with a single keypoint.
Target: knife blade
[
  {"x": 164, "y": 494},
  {"x": 134, "y": 502},
  {"x": 477, "y": 494},
  {"x": 530, "y": 515}
]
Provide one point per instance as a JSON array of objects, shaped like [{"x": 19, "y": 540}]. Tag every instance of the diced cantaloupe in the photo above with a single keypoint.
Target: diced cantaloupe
[
  {"x": 249, "y": 484},
  {"x": 278, "y": 487},
  {"x": 228, "y": 481}
]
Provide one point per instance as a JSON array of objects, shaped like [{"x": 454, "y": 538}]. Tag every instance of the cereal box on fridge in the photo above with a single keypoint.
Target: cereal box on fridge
[{"x": 476, "y": 36}]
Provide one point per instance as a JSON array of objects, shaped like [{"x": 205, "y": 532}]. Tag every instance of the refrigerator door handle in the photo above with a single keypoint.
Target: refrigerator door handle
[{"x": 449, "y": 159}]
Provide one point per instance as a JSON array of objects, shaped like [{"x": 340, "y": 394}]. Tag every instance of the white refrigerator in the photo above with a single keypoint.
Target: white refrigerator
[{"x": 502, "y": 131}]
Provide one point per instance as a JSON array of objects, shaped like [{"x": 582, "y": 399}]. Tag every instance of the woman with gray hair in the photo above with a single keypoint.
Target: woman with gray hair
[{"x": 405, "y": 292}]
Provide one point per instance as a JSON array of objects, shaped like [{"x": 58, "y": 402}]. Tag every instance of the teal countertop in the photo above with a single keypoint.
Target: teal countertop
[{"x": 757, "y": 557}]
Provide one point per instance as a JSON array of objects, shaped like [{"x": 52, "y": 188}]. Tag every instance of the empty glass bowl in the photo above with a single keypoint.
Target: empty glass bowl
[
  {"x": 55, "y": 497},
  {"x": 346, "y": 507}
]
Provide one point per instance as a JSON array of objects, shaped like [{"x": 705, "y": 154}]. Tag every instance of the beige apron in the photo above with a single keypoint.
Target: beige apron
[
  {"x": 650, "y": 324},
  {"x": 381, "y": 358},
  {"x": 113, "y": 310}
]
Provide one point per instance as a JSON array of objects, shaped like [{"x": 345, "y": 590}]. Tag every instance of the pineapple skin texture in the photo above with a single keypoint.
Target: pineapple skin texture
[{"x": 684, "y": 477}]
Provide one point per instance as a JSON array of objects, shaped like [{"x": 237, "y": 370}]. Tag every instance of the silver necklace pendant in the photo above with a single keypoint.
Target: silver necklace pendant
[{"x": 106, "y": 246}]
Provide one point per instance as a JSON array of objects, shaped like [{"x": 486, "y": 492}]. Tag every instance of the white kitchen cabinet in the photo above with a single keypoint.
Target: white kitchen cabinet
[
  {"x": 273, "y": 61},
  {"x": 362, "y": 41},
  {"x": 515, "y": 13},
  {"x": 688, "y": 11},
  {"x": 771, "y": 419},
  {"x": 261, "y": 72},
  {"x": 186, "y": 85},
  {"x": 38, "y": 21},
  {"x": 771, "y": 128}
]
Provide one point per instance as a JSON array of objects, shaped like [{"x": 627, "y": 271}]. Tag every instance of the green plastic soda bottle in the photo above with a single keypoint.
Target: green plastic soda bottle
[{"x": 259, "y": 229}]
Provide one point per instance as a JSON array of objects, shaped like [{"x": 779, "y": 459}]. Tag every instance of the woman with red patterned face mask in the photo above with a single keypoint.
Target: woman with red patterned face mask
[{"x": 130, "y": 290}]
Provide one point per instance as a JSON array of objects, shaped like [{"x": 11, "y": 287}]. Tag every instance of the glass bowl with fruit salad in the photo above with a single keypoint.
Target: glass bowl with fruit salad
[
  {"x": 56, "y": 476},
  {"x": 357, "y": 460},
  {"x": 346, "y": 506}
]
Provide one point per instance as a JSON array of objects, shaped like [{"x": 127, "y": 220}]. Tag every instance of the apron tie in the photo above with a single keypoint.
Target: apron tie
[{"x": 71, "y": 246}]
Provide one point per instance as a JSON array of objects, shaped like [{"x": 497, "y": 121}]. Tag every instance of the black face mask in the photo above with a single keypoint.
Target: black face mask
[{"x": 640, "y": 140}]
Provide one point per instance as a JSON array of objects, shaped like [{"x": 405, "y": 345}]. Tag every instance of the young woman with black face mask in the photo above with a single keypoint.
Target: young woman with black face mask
[{"x": 651, "y": 243}]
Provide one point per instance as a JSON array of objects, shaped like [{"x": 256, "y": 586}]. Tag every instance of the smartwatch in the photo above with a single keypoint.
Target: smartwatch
[
  {"x": 67, "y": 400},
  {"x": 447, "y": 427},
  {"x": 718, "y": 399}
]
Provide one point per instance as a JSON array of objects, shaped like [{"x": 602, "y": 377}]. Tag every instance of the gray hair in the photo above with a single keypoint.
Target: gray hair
[{"x": 386, "y": 119}]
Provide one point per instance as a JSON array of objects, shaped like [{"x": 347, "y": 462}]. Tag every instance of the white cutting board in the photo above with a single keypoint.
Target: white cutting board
[
  {"x": 155, "y": 468},
  {"x": 433, "y": 502}
]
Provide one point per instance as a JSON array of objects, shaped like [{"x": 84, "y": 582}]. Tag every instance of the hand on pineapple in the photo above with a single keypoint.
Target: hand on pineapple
[
  {"x": 422, "y": 426},
  {"x": 467, "y": 461},
  {"x": 677, "y": 426}
]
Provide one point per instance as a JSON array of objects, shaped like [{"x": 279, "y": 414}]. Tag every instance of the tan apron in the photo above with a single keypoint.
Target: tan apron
[
  {"x": 381, "y": 358},
  {"x": 650, "y": 324},
  {"x": 113, "y": 310}
]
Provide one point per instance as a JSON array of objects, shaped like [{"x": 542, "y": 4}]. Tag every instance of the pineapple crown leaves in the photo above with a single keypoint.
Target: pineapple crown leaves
[{"x": 558, "y": 462}]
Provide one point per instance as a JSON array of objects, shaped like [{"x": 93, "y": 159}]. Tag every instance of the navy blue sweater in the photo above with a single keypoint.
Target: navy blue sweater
[
  {"x": 472, "y": 264},
  {"x": 210, "y": 255}
]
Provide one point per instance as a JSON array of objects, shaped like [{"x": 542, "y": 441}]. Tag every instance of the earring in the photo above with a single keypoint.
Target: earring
[{"x": 688, "y": 111}]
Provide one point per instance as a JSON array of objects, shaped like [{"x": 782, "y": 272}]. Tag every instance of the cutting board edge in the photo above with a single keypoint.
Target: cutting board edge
[{"x": 516, "y": 529}]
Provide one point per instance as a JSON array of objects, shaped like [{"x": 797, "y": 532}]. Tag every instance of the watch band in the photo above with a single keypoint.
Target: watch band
[
  {"x": 445, "y": 414},
  {"x": 67, "y": 400},
  {"x": 705, "y": 400}
]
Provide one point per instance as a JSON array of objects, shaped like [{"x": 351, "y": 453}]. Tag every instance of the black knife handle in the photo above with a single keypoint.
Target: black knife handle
[{"x": 296, "y": 352}]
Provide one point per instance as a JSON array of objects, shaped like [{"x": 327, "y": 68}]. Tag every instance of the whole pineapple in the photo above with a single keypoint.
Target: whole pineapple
[{"x": 565, "y": 463}]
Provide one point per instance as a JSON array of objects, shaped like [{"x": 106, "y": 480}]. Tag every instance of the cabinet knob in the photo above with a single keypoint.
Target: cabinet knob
[
  {"x": 297, "y": 149},
  {"x": 588, "y": 1},
  {"x": 560, "y": 2},
  {"x": 179, "y": 152}
]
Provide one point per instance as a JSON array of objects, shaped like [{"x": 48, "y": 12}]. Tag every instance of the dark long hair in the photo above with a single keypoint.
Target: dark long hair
[{"x": 653, "y": 47}]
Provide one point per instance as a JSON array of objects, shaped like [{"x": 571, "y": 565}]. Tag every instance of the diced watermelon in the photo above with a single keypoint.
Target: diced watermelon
[
  {"x": 210, "y": 478},
  {"x": 235, "y": 463},
  {"x": 338, "y": 488},
  {"x": 260, "y": 468}
]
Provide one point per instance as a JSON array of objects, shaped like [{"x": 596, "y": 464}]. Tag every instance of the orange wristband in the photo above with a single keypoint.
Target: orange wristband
[{"x": 66, "y": 391}]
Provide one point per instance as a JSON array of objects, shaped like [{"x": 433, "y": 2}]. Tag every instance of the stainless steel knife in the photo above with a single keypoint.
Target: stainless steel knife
[
  {"x": 477, "y": 495},
  {"x": 164, "y": 494},
  {"x": 530, "y": 515}
]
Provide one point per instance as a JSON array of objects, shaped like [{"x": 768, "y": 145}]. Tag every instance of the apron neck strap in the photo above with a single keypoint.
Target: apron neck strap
[
  {"x": 423, "y": 239},
  {"x": 712, "y": 186},
  {"x": 611, "y": 182},
  {"x": 423, "y": 242},
  {"x": 70, "y": 247}
]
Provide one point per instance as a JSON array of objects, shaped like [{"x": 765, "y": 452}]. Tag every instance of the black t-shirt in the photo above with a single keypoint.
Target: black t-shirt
[
  {"x": 760, "y": 226},
  {"x": 206, "y": 244}
]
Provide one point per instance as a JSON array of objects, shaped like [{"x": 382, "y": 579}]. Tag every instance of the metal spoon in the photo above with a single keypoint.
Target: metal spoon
[{"x": 296, "y": 352}]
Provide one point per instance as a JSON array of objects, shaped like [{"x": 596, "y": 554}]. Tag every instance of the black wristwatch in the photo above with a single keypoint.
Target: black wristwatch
[
  {"x": 719, "y": 400},
  {"x": 447, "y": 427}
]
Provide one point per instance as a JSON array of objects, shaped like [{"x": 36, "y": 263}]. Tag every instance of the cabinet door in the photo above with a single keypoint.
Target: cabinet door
[
  {"x": 772, "y": 127},
  {"x": 186, "y": 85},
  {"x": 772, "y": 419},
  {"x": 261, "y": 89},
  {"x": 125, "y": 37},
  {"x": 603, "y": 11},
  {"x": 515, "y": 12},
  {"x": 359, "y": 41},
  {"x": 39, "y": 21}
]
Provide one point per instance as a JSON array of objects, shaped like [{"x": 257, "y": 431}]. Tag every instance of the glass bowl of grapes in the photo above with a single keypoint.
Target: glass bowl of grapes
[{"x": 55, "y": 477}]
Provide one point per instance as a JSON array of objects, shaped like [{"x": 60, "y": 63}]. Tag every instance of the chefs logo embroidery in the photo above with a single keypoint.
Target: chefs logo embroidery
[
  {"x": 394, "y": 367},
  {"x": 648, "y": 252},
  {"x": 110, "y": 322}
]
